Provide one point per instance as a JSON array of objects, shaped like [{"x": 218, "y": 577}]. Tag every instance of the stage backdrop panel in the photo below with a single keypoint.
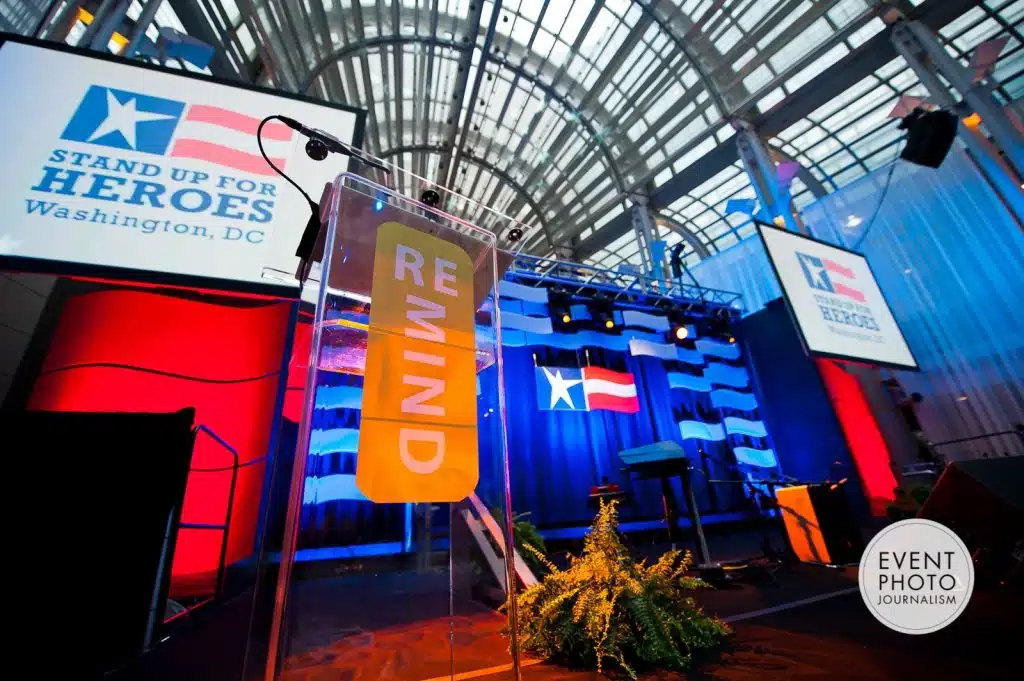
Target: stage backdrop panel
[
  {"x": 819, "y": 422},
  {"x": 577, "y": 397},
  {"x": 124, "y": 350},
  {"x": 114, "y": 164}
]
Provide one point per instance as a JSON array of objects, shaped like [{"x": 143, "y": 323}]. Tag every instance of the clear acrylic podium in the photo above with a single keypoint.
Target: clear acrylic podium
[{"x": 406, "y": 346}]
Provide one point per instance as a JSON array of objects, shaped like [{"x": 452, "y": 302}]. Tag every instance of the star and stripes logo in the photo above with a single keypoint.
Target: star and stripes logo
[
  {"x": 131, "y": 121},
  {"x": 829, "y": 276},
  {"x": 586, "y": 389}
]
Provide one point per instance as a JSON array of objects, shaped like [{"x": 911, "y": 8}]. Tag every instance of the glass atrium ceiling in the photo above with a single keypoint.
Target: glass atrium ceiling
[{"x": 555, "y": 112}]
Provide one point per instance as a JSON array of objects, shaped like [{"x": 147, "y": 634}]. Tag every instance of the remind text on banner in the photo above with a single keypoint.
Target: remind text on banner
[{"x": 418, "y": 436}]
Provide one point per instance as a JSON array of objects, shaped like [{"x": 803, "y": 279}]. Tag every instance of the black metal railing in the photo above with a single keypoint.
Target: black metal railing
[
  {"x": 1016, "y": 438},
  {"x": 225, "y": 526}
]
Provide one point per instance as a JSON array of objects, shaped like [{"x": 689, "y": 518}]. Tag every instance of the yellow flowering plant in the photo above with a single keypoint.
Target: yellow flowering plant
[{"x": 607, "y": 607}]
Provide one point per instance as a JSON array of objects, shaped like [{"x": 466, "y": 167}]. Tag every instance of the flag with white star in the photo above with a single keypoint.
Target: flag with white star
[
  {"x": 124, "y": 120},
  {"x": 560, "y": 389},
  {"x": 814, "y": 272},
  {"x": 829, "y": 276},
  {"x": 134, "y": 122},
  {"x": 586, "y": 389}
]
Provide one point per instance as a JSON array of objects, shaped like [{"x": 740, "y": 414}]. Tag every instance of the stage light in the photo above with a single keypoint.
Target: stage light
[
  {"x": 682, "y": 332},
  {"x": 609, "y": 324},
  {"x": 853, "y": 221},
  {"x": 779, "y": 221},
  {"x": 972, "y": 121},
  {"x": 560, "y": 305},
  {"x": 378, "y": 205},
  {"x": 732, "y": 340}
]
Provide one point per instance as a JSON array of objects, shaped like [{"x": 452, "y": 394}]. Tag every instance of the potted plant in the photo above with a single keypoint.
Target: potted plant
[{"x": 605, "y": 608}]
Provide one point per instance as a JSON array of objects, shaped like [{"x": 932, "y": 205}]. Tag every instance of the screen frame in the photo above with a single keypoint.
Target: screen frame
[
  {"x": 63, "y": 268},
  {"x": 761, "y": 227}
]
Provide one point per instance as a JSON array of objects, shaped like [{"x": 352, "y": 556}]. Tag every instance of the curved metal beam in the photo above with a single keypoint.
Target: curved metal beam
[
  {"x": 463, "y": 98},
  {"x": 680, "y": 43},
  {"x": 480, "y": 163},
  {"x": 550, "y": 91}
]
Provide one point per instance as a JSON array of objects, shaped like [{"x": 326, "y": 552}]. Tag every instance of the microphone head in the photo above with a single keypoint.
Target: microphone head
[{"x": 316, "y": 149}]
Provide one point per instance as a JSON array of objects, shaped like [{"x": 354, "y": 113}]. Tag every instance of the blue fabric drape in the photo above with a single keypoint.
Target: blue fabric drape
[
  {"x": 342, "y": 522},
  {"x": 557, "y": 456},
  {"x": 947, "y": 255}
]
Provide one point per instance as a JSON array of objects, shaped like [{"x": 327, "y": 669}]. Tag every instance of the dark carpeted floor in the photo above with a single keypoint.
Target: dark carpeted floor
[
  {"x": 838, "y": 640},
  {"x": 344, "y": 632}
]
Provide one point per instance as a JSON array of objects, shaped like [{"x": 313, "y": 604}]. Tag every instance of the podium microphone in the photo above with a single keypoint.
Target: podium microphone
[{"x": 320, "y": 143}]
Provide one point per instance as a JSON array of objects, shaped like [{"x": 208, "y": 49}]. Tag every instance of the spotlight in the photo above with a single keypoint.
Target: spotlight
[
  {"x": 682, "y": 332},
  {"x": 515, "y": 234},
  {"x": 560, "y": 305},
  {"x": 732, "y": 340},
  {"x": 378, "y": 205},
  {"x": 602, "y": 312}
]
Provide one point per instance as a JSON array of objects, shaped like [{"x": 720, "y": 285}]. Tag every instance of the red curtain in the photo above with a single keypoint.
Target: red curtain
[
  {"x": 136, "y": 351},
  {"x": 867, "y": 446}
]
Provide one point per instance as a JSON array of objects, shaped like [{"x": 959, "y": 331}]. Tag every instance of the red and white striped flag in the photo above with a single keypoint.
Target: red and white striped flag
[
  {"x": 610, "y": 390},
  {"x": 227, "y": 138}
]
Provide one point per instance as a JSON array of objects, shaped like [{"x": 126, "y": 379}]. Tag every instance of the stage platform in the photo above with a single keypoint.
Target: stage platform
[{"x": 811, "y": 625}]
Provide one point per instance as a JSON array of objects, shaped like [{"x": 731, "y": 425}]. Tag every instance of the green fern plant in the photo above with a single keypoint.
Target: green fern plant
[
  {"x": 605, "y": 607},
  {"x": 529, "y": 543}
]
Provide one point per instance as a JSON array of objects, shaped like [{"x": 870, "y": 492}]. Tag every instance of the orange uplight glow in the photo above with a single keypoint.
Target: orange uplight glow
[
  {"x": 972, "y": 121},
  {"x": 86, "y": 18}
]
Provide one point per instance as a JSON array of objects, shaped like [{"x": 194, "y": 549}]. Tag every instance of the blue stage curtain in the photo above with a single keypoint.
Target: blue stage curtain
[
  {"x": 557, "y": 456},
  {"x": 342, "y": 522}
]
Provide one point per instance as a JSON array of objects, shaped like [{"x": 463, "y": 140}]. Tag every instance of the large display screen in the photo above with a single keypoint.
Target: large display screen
[
  {"x": 116, "y": 165},
  {"x": 836, "y": 301}
]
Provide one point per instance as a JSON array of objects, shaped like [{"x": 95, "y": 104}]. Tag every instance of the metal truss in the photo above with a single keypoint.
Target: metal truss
[{"x": 621, "y": 286}]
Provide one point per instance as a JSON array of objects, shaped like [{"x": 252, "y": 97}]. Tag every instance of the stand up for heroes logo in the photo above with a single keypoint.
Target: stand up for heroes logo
[
  {"x": 839, "y": 300},
  {"x": 153, "y": 165}
]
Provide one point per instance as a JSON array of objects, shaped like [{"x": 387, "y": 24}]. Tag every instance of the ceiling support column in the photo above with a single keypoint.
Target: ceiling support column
[{"x": 775, "y": 201}]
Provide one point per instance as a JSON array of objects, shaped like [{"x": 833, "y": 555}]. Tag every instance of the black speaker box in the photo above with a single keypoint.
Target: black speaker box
[
  {"x": 983, "y": 502},
  {"x": 930, "y": 136},
  {"x": 91, "y": 511}
]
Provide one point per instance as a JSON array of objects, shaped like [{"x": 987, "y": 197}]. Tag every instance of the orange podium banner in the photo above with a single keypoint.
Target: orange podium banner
[{"x": 418, "y": 434}]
